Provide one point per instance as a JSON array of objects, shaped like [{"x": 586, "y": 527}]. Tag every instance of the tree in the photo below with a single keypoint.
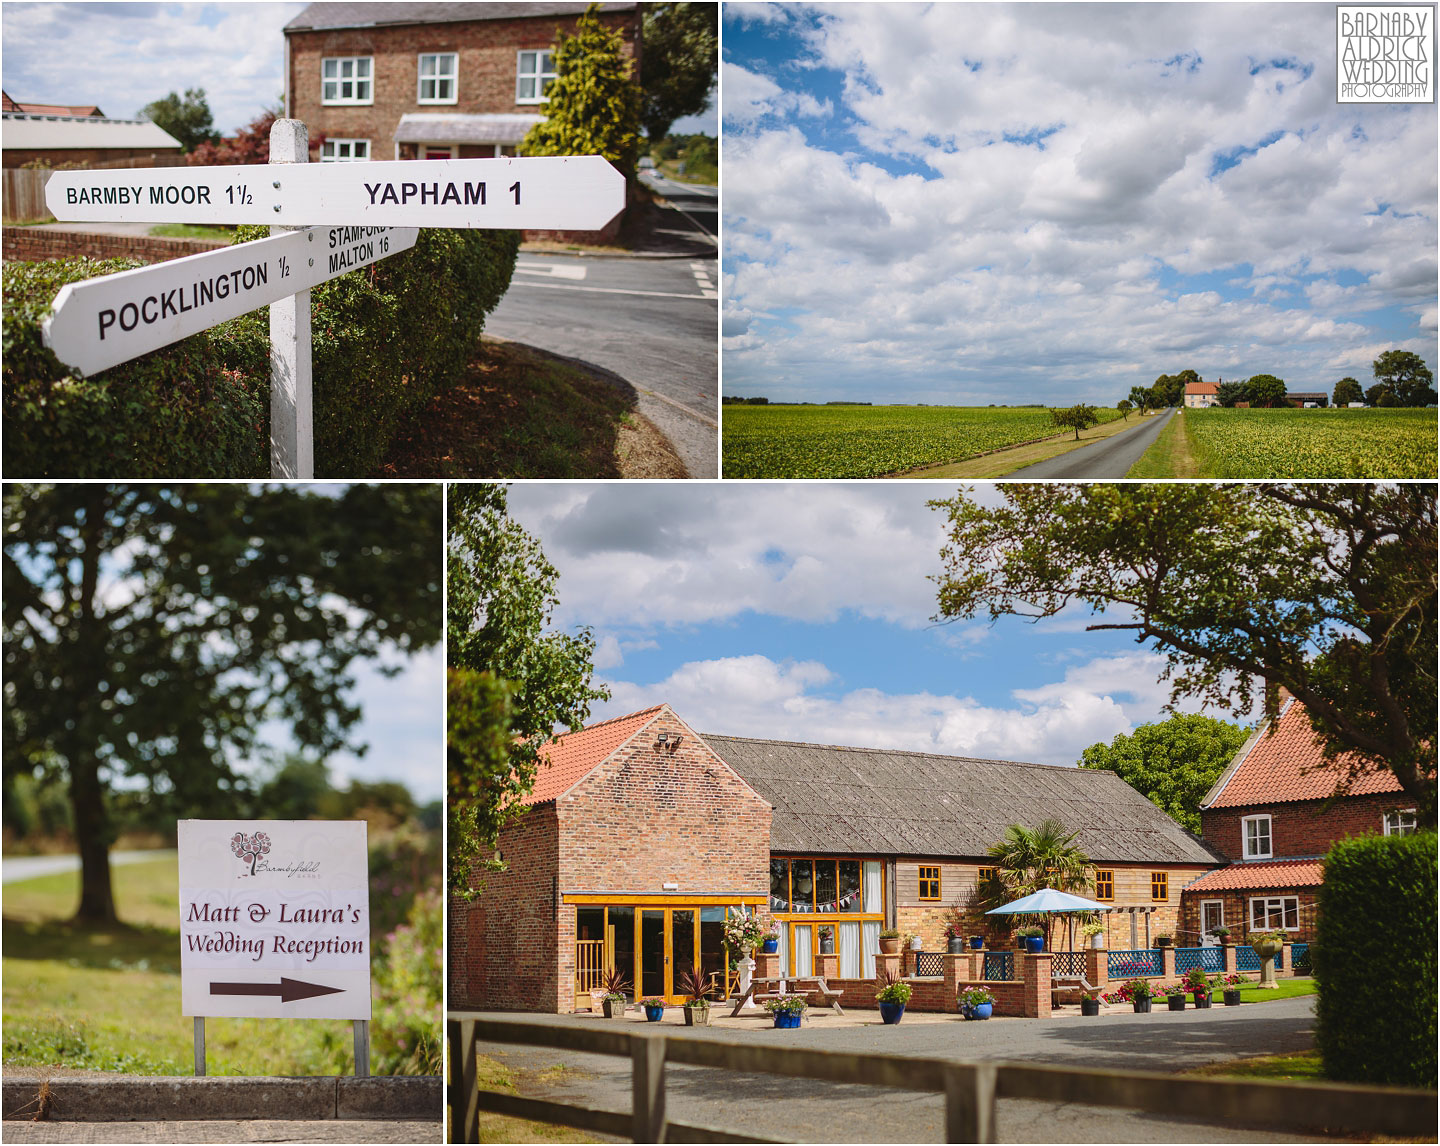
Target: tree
[
  {"x": 510, "y": 683},
  {"x": 250, "y": 145},
  {"x": 1171, "y": 763},
  {"x": 678, "y": 69},
  {"x": 1076, "y": 418},
  {"x": 1406, "y": 376},
  {"x": 1170, "y": 391},
  {"x": 1028, "y": 859},
  {"x": 152, "y": 632},
  {"x": 1142, "y": 398},
  {"x": 1124, "y": 407},
  {"x": 594, "y": 104},
  {"x": 1348, "y": 390},
  {"x": 1327, "y": 589},
  {"x": 1379, "y": 395},
  {"x": 1265, "y": 390},
  {"x": 1229, "y": 393},
  {"x": 185, "y": 117}
]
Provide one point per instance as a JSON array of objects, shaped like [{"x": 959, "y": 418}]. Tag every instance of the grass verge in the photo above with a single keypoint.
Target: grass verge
[
  {"x": 1169, "y": 456},
  {"x": 1017, "y": 457},
  {"x": 519, "y": 412},
  {"x": 494, "y": 1075},
  {"x": 1288, "y": 989},
  {"x": 1301, "y": 1067},
  {"x": 194, "y": 231}
]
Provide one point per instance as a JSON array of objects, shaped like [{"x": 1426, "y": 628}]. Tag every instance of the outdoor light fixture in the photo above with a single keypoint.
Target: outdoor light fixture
[{"x": 668, "y": 740}]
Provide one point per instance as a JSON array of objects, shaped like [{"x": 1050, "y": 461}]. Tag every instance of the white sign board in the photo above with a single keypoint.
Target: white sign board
[
  {"x": 274, "y": 919},
  {"x": 102, "y": 322},
  {"x": 569, "y": 193}
]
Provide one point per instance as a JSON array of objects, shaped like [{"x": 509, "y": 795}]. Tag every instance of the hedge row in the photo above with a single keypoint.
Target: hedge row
[{"x": 385, "y": 340}]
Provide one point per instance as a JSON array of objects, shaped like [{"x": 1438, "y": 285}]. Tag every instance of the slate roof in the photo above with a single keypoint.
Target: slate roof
[
  {"x": 1257, "y": 876},
  {"x": 575, "y": 754},
  {"x": 836, "y": 800},
  {"x": 456, "y": 128},
  {"x": 360, "y": 15},
  {"x": 1286, "y": 766}
]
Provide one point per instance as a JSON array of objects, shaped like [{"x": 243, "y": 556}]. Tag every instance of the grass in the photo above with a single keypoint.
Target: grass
[
  {"x": 1288, "y": 989},
  {"x": 1301, "y": 1067},
  {"x": 1169, "y": 456},
  {"x": 491, "y": 1074},
  {"x": 194, "y": 231},
  {"x": 108, "y": 998}
]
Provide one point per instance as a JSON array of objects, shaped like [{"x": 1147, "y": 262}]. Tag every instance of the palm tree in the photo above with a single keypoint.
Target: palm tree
[{"x": 1029, "y": 859}]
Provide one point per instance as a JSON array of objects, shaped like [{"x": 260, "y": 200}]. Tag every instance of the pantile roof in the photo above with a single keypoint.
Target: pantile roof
[
  {"x": 1256, "y": 876},
  {"x": 1286, "y": 765},
  {"x": 572, "y": 757},
  {"x": 49, "y": 108},
  {"x": 833, "y": 800},
  {"x": 1201, "y": 388},
  {"x": 363, "y": 15}
]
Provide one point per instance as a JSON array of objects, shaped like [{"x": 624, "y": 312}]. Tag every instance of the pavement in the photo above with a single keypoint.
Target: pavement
[
  {"x": 16, "y": 868},
  {"x": 1110, "y": 457}
]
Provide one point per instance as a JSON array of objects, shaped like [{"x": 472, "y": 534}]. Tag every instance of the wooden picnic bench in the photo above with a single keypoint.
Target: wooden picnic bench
[
  {"x": 764, "y": 990},
  {"x": 1069, "y": 983}
]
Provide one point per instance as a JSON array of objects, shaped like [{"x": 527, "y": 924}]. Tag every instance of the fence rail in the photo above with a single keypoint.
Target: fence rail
[
  {"x": 999, "y": 965},
  {"x": 1208, "y": 959},
  {"x": 1069, "y": 963},
  {"x": 929, "y": 963},
  {"x": 970, "y": 1088},
  {"x": 1133, "y": 964},
  {"x": 1247, "y": 960}
]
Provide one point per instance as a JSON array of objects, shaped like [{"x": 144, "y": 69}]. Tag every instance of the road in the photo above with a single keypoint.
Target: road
[
  {"x": 16, "y": 868},
  {"x": 1110, "y": 457},
  {"x": 698, "y": 204},
  {"x": 652, "y": 322},
  {"x": 808, "y": 1111}
]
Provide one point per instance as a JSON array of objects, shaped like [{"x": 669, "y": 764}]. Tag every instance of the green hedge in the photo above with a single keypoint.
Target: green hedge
[
  {"x": 1374, "y": 959},
  {"x": 385, "y": 340}
]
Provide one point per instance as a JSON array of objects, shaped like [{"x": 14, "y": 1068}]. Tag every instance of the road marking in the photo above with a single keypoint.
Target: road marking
[
  {"x": 701, "y": 271},
  {"x": 552, "y": 270},
  {"x": 616, "y": 290}
]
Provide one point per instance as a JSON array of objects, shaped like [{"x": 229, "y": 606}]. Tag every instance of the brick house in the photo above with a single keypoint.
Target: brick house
[
  {"x": 1273, "y": 814},
  {"x": 1202, "y": 394},
  {"x": 640, "y": 833},
  {"x": 429, "y": 81}
]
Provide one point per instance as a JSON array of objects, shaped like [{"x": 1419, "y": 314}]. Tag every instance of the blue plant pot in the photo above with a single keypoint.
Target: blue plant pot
[
  {"x": 770, "y": 946},
  {"x": 1036, "y": 945},
  {"x": 977, "y": 942},
  {"x": 978, "y": 1011},
  {"x": 787, "y": 1018},
  {"x": 891, "y": 1013},
  {"x": 654, "y": 1014}
]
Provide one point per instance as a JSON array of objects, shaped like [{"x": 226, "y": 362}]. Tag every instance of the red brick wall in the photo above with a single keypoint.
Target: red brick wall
[
  {"x": 1237, "y": 910},
  {"x": 32, "y": 245},
  {"x": 1306, "y": 828},
  {"x": 52, "y": 156}
]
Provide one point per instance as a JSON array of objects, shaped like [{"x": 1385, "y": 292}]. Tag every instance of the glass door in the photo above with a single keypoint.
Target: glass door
[
  {"x": 672, "y": 941},
  {"x": 654, "y": 979}
]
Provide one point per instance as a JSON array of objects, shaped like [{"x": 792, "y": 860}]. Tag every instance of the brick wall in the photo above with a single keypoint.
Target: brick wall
[
  {"x": 83, "y": 156},
  {"x": 1236, "y": 909},
  {"x": 1303, "y": 828},
  {"x": 32, "y": 245}
]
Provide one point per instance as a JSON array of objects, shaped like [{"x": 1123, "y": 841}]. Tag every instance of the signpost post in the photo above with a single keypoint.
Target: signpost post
[
  {"x": 275, "y": 923},
  {"x": 362, "y": 212}
]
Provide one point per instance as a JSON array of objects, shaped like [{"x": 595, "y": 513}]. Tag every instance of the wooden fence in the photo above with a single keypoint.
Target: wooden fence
[
  {"x": 24, "y": 187},
  {"x": 970, "y": 1088}
]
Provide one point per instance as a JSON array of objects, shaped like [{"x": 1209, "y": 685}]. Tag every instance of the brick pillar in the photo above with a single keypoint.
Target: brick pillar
[
  {"x": 1287, "y": 967},
  {"x": 889, "y": 964},
  {"x": 1231, "y": 956},
  {"x": 1097, "y": 967},
  {"x": 827, "y": 966},
  {"x": 1035, "y": 976},
  {"x": 767, "y": 966},
  {"x": 957, "y": 969},
  {"x": 976, "y": 964},
  {"x": 1167, "y": 963}
]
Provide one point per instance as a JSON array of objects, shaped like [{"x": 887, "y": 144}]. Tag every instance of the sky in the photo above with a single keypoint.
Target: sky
[
  {"x": 975, "y": 204},
  {"x": 802, "y": 612},
  {"x": 135, "y": 53}
]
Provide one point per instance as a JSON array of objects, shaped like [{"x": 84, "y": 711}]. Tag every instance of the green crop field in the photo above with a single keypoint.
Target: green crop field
[
  {"x": 1313, "y": 443},
  {"x": 869, "y": 441}
]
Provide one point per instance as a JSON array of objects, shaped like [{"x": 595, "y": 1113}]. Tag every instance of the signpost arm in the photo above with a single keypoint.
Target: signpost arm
[
  {"x": 199, "y": 1046},
  {"x": 292, "y": 449},
  {"x": 362, "y": 1048}
]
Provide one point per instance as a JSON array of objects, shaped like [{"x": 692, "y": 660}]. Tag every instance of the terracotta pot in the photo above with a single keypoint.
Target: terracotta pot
[{"x": 890, "y": 946}]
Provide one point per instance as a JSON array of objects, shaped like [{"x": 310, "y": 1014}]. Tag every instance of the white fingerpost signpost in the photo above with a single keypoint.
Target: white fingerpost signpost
[
  {"x": 275, "y": 923},
  {"x": 325, "y": 219}
]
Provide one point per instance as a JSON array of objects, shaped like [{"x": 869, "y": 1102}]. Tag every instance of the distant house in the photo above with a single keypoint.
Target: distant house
[
  {"x": 48, "y": 108},
  {"x": 429, "y": 81},
  {"x": 85, "y": 140},
  {"x": 1202, "y": 394},
  {"x": 1273, "y": 814}
]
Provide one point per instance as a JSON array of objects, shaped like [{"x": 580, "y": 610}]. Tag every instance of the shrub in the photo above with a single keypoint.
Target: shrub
[
  {"x": 405, "y": 1031},
  {"x": 1374, "y": 958},
  {"x": 183, "y": 411}
]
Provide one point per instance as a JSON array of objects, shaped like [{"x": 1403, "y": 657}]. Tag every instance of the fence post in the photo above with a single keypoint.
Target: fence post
[
  {"x": 464, "y": 1086},
  {"x": 292, "y": 442},
  {"x": 647, "y": 1083},
  {"x": 970, "y": 1102}
]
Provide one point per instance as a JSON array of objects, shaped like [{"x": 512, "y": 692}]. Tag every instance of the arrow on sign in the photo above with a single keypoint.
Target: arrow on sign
[{"x": 289, "y": 990}]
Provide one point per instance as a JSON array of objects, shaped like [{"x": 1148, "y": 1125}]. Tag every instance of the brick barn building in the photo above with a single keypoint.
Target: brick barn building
[
  {"x": 640, "y": 833},
  {"x": 1273, "y": 814}
]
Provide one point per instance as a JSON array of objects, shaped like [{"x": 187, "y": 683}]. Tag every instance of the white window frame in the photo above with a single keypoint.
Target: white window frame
[
  {"x": 1283, "y": 905},
  {"x": 438, "y": 77},
  {"x": 1405, "y": 823},
  {"x": 339, "y": 79},
  {"x": 1246, "y": 850},
  {"x": 539, "y": 73},
  {"x": 1206, "y": 932},
  {"x": 334, "y": 146}
]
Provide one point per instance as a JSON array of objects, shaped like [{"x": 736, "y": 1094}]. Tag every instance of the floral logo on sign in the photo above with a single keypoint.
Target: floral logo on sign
[{"x": 250, "y": 848}]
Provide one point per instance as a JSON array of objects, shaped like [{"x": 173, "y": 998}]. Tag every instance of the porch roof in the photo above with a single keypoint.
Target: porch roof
[{"x": 1261, "y": 876}]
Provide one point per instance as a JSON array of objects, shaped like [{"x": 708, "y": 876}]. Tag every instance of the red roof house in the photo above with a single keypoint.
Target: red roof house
[{"x": 1202, "y": 394}]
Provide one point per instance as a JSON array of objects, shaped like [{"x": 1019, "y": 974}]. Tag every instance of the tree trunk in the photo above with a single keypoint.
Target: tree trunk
[{"x": 92, "y": 831}]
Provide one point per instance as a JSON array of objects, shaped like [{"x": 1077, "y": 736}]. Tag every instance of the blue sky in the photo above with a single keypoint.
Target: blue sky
[
  {"x": 801, "y": 612},
  {"x": 1011, "y": 203}
]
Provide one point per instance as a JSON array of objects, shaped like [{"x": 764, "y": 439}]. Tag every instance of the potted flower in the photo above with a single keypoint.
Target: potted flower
[
  {"x": 889, "y": 941},
  {"x": 1164, "y": 940},
  {"x": 912, "y": 941},
  {"x": 1034, "y": 938},
  {"x": 1267, "y": 944},
  {"x": 654, "y": 1008},
  {"x": 1220, "y": 933},
  {"x": 787, "y": 1009},
  {"x": 977, "y": 942},
  {"x": 1199, "y": 984},
  {"x": 1120, "y": 994},
  {"x": 614, "y": 984},
  {"x": 955, "y": 937},
  {"x": 1139, "y": 993},
  {"x": 1089, "y": 1002},
  {"x": 976, "y": 1003},
  {"x": 1231, "y": 985},
  {"x": 770, "y": 940},
  {"x": 698, "y": 986},
  {"x": 827, "y": 941},
  {"x": 1095, "y": 933},
  {"x": 892, "y": 999},
  {"x": 1174, "y": 995},
  {"x": 744, "y": 932}
]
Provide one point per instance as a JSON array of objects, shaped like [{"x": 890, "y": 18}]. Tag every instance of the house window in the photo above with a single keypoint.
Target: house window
[
  {"x": 988, "y": 873},
  {"x": 344, "y": 150},
  {"x": 1256, "y": 832},
  {"x": 1400, "y": 822},
  {"x": 1267, "y": 913},
  {"x": 929, "y": 882},
  {"x": 439, "y": 78},
  {"x": 346, "y": 79},
  {"x": 1159, "y": 885},
  {"x": 1105, "y": 885},
  {"x": 534, "y": 74}
]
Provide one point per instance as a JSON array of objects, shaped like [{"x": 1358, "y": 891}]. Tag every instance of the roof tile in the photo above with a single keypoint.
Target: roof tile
[
  {"x": 1255, "y": 876},
  {"x": 572, "y": 757}
]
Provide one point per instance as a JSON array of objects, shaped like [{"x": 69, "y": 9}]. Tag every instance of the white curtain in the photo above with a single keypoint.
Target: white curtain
[
  {"x": 874, "y": 893},
  {"x": 871, "y": 931},
  {"x": 804, "y": 964},
  {"x": 784, "y": 950},
  {"x": 849, "y": 951}
]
